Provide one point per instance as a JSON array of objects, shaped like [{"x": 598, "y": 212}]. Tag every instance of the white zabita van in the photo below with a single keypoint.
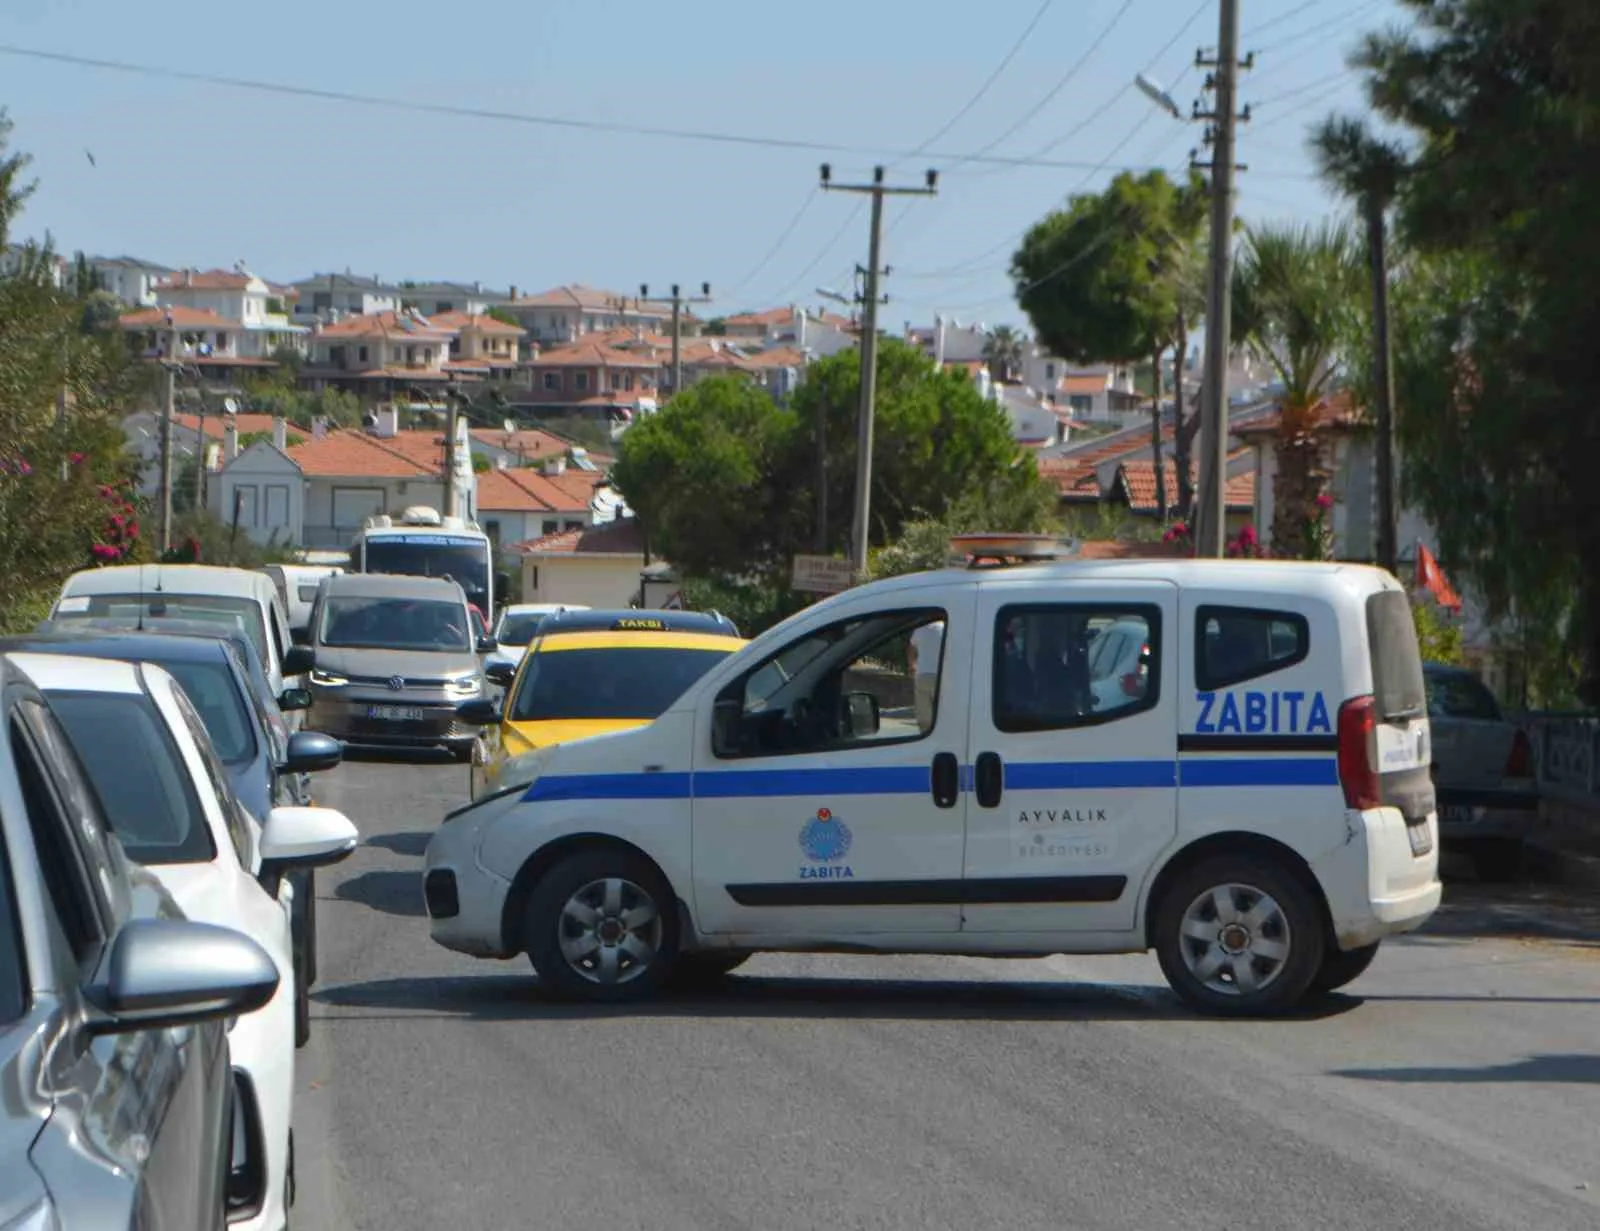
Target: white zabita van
[{"x": 1226, "y": 761}]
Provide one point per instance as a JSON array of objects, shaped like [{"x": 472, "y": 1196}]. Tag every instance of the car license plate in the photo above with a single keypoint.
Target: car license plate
[
  {"x": 1421, "y": 838},
  {"x": 397, "y": 713},
  {"x": 1457, "y": 814}
]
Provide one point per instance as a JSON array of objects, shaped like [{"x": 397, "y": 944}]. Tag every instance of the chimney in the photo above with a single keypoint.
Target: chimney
[
  {"x": 319, "y": 427},
  {"x": 797, "y": 317},
  {"x": 800, "y": 330},
  {"x": 556, "y": 464},
  {"x": 280, "y": 433},
  {"x": 477, "y": 288},
  {"x": 230, "y": 440},
  {"x": 513, "y": 295},
  {"x": 388, "y": 420},
  {"x": 938, "y": 341}
]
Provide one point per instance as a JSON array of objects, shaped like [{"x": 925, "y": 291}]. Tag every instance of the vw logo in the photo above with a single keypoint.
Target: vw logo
[{"x": 397, "y": 682}]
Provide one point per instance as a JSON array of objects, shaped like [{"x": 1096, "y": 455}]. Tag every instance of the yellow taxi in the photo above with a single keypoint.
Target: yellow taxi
[{"x": 589, "y": 672}]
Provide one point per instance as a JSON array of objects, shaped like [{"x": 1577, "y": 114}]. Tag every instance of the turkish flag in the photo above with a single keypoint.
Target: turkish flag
[{"x": 1431, "y": 577}]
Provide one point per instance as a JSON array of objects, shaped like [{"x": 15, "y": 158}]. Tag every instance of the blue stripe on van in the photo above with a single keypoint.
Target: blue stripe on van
[{"x": 914, "y": 779}]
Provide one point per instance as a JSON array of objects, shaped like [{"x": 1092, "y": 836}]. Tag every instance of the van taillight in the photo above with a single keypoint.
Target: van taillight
[
  {"x": 1520, "y": 763},
  {"x": 1358, "y": 720}
]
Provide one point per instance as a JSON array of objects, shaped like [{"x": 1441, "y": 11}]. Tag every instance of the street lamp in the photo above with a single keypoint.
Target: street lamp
[{"x": 1155, "y": 93}]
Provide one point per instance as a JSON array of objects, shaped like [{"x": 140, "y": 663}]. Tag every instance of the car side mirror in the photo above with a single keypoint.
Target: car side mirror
[
  {"x": 861, "y": 714},
  {"x": 304, "y": 838},
  {"x": 159, "y": 973},
  {"x": 297, "y": 660},
  {"x": 300, "y": 636},
  {"x": 479, "y": 712},
  {"x": 292, "y": 699},
  {"x": 503, "y": 674},
  {"x": 311, "y": 752},
  {"x": 487, "y": 645}
]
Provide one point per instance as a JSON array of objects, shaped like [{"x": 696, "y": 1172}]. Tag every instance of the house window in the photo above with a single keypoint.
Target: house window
[
  {"x": 580, "y": 381},
  {"x": 551, "y": 526},
  {"x": 627, "y": 381},
  {"x": 222, "y": 341},
  {"x": 1081, "y": 403},
  {"x": 444, "y": 305},
  {"x": 336, "y": 356},
  {"x": 1049, "y": 371},
  {"x": 277, "y": 507},
  {"x": 361, "y": 355},
  {"x": 552, "y": 381},
  {"x": 244, "y": 505},
  {"x": 572, "y": 525},
  {"x": 411, "y": 356}
]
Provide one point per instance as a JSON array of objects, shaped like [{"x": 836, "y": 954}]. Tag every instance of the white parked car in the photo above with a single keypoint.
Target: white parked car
[
  {"x": 1255, "y": 805},
  {"x": 166, "y": 794},
  {"x": 517, "y": 626}
]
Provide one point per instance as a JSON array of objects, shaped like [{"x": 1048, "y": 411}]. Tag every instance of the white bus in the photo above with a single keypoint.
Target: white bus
[{"x": 421, "y": 543}]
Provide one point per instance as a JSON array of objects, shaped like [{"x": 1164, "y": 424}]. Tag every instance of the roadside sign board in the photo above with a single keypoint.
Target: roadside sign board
[{"x": 822, "y": 574}]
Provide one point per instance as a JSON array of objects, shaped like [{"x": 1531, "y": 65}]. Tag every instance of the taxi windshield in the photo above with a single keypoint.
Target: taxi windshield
[{"x": 612, "y": 682}]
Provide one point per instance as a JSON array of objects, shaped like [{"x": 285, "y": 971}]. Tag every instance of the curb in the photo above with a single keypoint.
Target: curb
[{"x": 1564, "y": 867}]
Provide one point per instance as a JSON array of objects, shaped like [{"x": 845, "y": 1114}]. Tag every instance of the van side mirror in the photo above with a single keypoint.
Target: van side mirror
[
  {"x": 862, "y": 719},
  {"x": 487, "y": 645},
  {"x": 501, "y": 673},
  {"x": 160, "y": 973},
  {"x": 292, "y": 699},
  {"x": 478, "y": 713},
  {"x": 300, "y": 636},
  {"x": 297, "y": 660}
]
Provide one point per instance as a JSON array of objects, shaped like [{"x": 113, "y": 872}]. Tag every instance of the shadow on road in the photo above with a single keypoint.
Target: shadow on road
[
  {"x": 1527, "y": 910},
  {"x": 1558, "y": 1068},
  {"x": 398, "y": 756},
  {"x": 394, "y": 893},
  {"x": 415, "y": 843},
  {"x": 517, "y": 998}
]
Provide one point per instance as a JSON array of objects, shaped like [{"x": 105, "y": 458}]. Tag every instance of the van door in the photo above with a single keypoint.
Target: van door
[
  {"x": 826, "y": 784},
  {"x": 1074, "y": 778}
]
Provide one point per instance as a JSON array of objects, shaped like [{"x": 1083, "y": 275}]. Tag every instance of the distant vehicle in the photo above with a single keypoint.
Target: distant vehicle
[
  {"x": 154, "y": 769},
  {"x": 149, "y": 593},
  {"x": 392, "y": 658},
  {"x": 421, "y": 543},
  {"x": 297, "y": 587},
  {"x": 1483, "y": 772},
  {"x": 99, "y": 965},
  {"x": 517, "y": 626}
]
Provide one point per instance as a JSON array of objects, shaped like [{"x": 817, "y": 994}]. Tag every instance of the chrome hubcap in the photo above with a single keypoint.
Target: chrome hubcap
[
  {"x": 1235, "y": 939},
  {"x": 610, "y": 931}
]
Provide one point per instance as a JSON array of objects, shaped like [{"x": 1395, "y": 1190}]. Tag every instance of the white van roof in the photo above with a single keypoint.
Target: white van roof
[{"x": 198, "y": 579}]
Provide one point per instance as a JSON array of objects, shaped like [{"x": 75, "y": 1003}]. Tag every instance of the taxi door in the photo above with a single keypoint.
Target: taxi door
[
  {"x": 827, "y": 786},
  {"x": 1073, "y": 754}
]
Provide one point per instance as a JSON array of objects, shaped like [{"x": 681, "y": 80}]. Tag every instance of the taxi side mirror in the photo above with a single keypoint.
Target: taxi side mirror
[
  {"x": 861, "y": 714},
  {"x": 501, "y": 674}
]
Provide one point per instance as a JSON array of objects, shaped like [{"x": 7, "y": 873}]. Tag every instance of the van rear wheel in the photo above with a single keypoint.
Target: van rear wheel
[{"x": 1239, "y": 936}]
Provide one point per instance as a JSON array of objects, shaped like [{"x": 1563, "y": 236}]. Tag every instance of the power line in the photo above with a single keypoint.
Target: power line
[
  {"x": 518, "y": 117},
  {"x": 777, "y": 244},
  {"x": 1282, "y": 17},
  {"x": 1307, "y": 88},
  {"x": 1205, "y": 6},
  {"x": 833, "y": 241},
  {"x": 1305, "y": 32}
]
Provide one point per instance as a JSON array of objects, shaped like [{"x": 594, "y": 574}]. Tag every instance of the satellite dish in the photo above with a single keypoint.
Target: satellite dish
[
  {"x": 229, "y": 406},
  {"x": 511, "y": 427}
]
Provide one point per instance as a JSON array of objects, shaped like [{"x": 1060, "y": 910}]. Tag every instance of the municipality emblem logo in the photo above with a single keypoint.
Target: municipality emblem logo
[{"x": 825, "y": 838}]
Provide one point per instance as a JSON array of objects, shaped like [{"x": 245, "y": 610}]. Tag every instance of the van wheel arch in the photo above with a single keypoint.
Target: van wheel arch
[
  {"x": 547, "y": 857},
  {"x": 1232, "y": 843}
]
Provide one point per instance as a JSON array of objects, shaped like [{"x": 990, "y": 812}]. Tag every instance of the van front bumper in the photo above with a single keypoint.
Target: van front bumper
[
  {"x": 1375, "y": 885},
  {"x": 465, "y": 902}
]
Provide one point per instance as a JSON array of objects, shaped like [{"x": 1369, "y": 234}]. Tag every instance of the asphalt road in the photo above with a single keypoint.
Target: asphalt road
[{"x": 1457, "y": 1087}]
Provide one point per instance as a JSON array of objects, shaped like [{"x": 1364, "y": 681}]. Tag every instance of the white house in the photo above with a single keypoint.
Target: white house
[
  {"x": 467, "y": 298},
  {"x": 816, "y": 332},
  {"x": 327, "y": 297},
  {"x": 143, "y": 432},
  {"x": 564, "y": 314},
  {"x": 262, "y": 492},
  {"x": 237, "y": 296},
  {"x": 14, "y": 256},
  {"x": 128, "y": 278},
  {"x": 596, "y": 567}
]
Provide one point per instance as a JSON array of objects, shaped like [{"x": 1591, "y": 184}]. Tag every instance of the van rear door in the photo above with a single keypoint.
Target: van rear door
[{"x": 1402, "y": 751}]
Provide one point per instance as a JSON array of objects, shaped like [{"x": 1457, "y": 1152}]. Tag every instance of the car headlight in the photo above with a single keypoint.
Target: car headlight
[
  {"x": 327, "y": 679},
  {"x": 465, "y": 686}
]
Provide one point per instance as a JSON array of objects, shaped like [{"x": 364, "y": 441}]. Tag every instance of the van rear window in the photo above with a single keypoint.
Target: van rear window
[{"x": 1397, "y": 684}]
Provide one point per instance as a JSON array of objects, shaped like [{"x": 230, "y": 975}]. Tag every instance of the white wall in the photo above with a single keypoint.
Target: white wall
[
  {"x": 271, "y": 494},
  {"x": 336, "y": 507},
  {"x": 593, "y": 581}
]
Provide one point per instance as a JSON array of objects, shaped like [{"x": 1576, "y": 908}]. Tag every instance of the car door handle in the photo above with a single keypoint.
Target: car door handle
[
  {"x": 946, "y": 780},
  {"x": 988, "y": 779}
]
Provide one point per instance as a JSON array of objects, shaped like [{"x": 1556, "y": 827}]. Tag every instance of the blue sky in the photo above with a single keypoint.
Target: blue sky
[{"x": 197, "y": 174}]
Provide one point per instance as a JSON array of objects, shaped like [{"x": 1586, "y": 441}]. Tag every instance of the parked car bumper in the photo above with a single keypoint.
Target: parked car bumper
[
  {"x": 393, "y": 721},
  {"x": 1467, "y": 815}
]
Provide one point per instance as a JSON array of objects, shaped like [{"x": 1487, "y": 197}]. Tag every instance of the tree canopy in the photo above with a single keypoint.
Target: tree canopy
[
  {"x": 1496, "y": 365},
  {"x": 725, "y": 482}
]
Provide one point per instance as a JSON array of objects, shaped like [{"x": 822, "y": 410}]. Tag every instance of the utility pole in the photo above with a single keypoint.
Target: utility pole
[
  {"x": 678, "y": 300},
  {"x": 169, "y": 397},
  {"x": 1383, "y": 372},
  {"x": 200, "y": 460},
  {"x": 860, "y": 523},
  {"x": 1211, "y": 502},
  {"x": 451, "y": 504}
]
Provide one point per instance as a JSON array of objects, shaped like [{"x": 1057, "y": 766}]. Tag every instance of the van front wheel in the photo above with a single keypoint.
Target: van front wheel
[{"x": 1239, "y": 936}]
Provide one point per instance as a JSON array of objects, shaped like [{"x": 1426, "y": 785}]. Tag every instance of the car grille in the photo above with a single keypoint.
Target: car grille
[{"x": 411, "y": 681}]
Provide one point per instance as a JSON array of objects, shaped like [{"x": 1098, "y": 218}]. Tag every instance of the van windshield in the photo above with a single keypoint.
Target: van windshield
[
  {"x": 131, "y": 610},
  {"x": 350, "y": 622}
]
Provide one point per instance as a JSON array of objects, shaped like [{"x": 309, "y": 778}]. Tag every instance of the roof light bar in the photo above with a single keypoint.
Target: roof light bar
[{"x": 1003, "y": 550}]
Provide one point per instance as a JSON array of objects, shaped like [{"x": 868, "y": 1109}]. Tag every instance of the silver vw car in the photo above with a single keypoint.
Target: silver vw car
[
  {"x": 118, "y": 1104},
  {"x": 392, "y": 658}
]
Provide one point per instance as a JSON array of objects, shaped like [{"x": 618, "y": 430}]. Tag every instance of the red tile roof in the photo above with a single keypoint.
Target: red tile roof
[
  {"x": 585, "y": 353},
  {"x": 385, "y": 325},
  {"x": 616, "y": 538},
  {"x": 778, "y": 357},
  {"x": 455, "y": 322},
  {"x": 1074, "y": 474},
  {"x": 341, "y": 454},
  {"x": 588, "y": 299},
  {"x": 1336, "y": 412},
  {"x": 530, "y": 442},
  {"x": 1081, "y": 383},
  {"x": 247, "y": 424},
  {"x": 528, "y": 491},
  {"x": 1137, "y": 477},
  {"x": 182, "y": 318},
  {"x": 1115, "y": 549}
]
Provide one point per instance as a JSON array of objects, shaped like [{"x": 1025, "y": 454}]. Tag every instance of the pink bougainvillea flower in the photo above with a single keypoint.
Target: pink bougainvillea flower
[
  {"x": 1324, "y": 501},
  {"x": 75, "y": 458},
  {"x": 104, "y": 551}
]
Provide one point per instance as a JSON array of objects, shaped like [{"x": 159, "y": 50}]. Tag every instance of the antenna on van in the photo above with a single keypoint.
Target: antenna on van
[{"x": 140, "y": 625}]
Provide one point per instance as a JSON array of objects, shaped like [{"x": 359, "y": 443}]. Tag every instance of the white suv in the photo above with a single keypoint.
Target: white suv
[{"x": 1252, "y": 799}]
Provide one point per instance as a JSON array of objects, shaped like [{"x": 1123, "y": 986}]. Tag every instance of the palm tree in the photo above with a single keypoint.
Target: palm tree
[
  {"x": 1369, "y": 171},
  {"x": 1295, "y": 295},
  {"x": 1004, "y": 353}
]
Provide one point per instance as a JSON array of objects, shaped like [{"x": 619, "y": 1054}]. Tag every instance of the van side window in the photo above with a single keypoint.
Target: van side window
[
  {"x": 863, "y": 682},
  {"x": 1065, "y": 665},
  {"x": 1235, "y": 644}
]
